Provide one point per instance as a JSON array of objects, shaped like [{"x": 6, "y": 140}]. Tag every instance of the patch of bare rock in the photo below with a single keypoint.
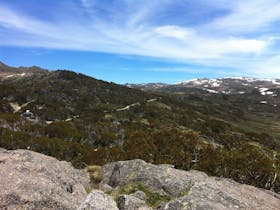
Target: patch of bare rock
[
  {"x": 30, "y": 180},
  {"x": 188, "y": 189}
]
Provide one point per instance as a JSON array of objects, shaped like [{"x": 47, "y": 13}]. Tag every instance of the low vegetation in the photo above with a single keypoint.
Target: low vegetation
[
  {"x": 82, "y": 120},
  {"x": 153, "y": 198}
]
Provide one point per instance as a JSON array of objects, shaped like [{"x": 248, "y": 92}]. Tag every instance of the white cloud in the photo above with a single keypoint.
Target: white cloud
[
  {"x": 174, "y": 32},
  {"x": 249, "y": 15},
  {"x": 236, "y": 45},
  {"x": 145, "y": 40},
  {"x": 131, "y": 32}
]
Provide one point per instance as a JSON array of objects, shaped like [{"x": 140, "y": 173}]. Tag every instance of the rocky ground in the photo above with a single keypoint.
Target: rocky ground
[
  {"x": 188, "y": 189},
  {"x": 31, "y": 180}
]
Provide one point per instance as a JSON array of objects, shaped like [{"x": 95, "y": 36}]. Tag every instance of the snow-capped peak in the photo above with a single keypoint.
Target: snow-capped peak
[
  {"x": 234, "y": 85},
  {"x": 202, "y": 81}
]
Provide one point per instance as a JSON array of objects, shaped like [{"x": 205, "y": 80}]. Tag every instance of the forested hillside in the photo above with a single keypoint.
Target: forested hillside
[{"x": 88, "y": 121}]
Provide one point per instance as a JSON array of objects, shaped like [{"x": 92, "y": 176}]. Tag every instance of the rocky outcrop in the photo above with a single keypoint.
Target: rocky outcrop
[
  {"x": 163, "y": 179},
  {"x": 189, "y": 189},
  {"x": 29, "y": 180}
]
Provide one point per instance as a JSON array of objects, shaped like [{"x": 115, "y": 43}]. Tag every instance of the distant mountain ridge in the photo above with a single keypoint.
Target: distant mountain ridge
[
  {"x": 227, "y": 85},
  {"x": 8, "y": 72}
]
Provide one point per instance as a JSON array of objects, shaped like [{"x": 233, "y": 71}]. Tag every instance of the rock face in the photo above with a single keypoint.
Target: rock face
[
  {"x": 189, "y": 189},
  {"x": 29, "y": 180}
]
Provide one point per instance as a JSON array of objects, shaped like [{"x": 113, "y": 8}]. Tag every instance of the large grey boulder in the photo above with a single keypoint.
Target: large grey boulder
[
  {"x": 140, "y": 195},
  {"x": 219, "y": 194},
  {"x": 98, "y": 200},
  {"x": 163, "y": 179},
  {"x": 129, "y": 202},
  {"x": 29, "y": 180},
  {"x": 189, "y": 189}
]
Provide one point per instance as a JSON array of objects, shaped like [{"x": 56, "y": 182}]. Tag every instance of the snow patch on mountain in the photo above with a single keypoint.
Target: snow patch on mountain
[
  {"x": 264, "y": 91},
  {"x": 210, "y": 91},
  {"x": 216, "y": 82}
]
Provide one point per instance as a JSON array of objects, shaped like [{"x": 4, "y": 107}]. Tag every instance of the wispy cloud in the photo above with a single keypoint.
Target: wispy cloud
[
  {"x": 249, "y": 16},
  {"x": 175, "y": 32},
  {"x": 242, "y": 39}
]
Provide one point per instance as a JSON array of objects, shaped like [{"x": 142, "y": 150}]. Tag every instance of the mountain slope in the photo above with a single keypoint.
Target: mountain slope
[
  {"x": 256, "y": 101},
  {"x": 88, "y": 121}
]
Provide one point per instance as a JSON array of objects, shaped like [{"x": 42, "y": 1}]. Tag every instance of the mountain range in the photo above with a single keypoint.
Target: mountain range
[
  {"x": 234, "y": 85},
  {"x": 225, "y": 127}
]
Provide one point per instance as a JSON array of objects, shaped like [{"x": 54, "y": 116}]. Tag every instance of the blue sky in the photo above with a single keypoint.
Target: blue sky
[{"x": 139, "y": 41}]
